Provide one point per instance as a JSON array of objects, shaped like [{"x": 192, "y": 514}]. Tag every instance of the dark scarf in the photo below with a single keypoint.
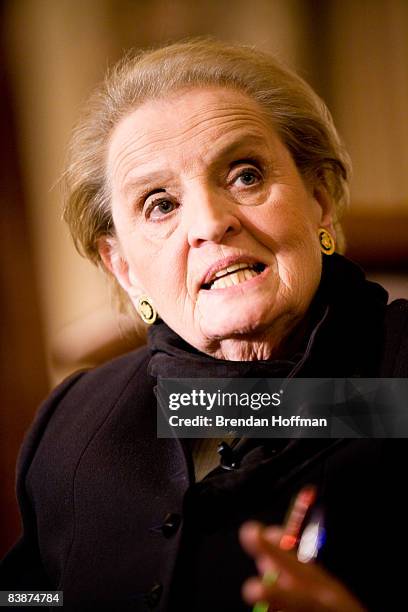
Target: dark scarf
[{"x": 344, "y": 336}]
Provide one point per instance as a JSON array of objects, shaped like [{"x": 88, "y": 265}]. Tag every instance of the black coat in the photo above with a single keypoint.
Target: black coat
[{"x": 112, "y": 515}]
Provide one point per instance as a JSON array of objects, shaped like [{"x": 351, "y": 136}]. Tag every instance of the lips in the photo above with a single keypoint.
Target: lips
[{"x": 230, "y": 272}]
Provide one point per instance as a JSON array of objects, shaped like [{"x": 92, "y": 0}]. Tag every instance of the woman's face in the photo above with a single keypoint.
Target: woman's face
[{"x": 213, "y": 222}]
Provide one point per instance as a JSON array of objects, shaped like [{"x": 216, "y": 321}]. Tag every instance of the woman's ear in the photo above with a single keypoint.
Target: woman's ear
[
  {"x": 327, "y": 209},
  {"x": 117, "y": 265}
]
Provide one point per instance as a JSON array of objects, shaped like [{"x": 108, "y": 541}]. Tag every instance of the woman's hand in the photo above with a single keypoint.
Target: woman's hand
[{"x": 288, "y": 584}]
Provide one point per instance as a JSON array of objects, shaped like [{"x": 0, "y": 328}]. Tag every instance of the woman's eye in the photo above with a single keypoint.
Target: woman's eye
[
  {"x": 248, "y": 177},
  {"x": 160, "y": 208}
]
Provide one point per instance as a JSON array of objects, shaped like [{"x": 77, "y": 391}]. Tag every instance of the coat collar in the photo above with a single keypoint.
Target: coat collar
[{"x": 344, "y": 336}]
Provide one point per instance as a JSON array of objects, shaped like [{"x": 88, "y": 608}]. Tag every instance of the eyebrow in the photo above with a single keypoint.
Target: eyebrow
[
  {"x": 236, "y": 144},
  {"x": 154, "y": 177},
  {"x": 145, "y": 182}
]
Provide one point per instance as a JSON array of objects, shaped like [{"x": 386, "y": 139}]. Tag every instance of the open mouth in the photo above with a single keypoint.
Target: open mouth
[{"x": 234, "y": 275}]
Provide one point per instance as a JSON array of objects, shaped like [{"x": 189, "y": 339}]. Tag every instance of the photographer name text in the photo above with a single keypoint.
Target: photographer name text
[{"x": 221, "y": 421}]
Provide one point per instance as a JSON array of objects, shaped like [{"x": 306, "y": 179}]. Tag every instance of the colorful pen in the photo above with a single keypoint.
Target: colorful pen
[{"x": 307, "y": 540}]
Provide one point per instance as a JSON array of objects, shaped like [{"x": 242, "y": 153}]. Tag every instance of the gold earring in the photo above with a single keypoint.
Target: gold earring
[
  {"x": 146, "y": 310},
  {"x": 327, "y": 244}
]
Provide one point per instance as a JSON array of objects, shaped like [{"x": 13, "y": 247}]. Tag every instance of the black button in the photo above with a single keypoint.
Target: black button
[
  {"x": 224, "y": 450},
  {"x": 153, "y": 597},
  {"x": 228, "y": 461},
  {"x": 170, "y": 525}
]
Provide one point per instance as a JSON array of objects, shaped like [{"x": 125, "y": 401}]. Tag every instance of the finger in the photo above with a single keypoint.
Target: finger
[
  {"x": 253, "y": 591},
  {"x": 250, "y": 538},
  {"x": 251, "y": 534},
  {"x": 299, "y": 587},
  {"x": 273, "y": 534},
  {"x": 265, "y": 565},
  {"x": 259, "y": 541},
  {"x": 284, "y": 593}
]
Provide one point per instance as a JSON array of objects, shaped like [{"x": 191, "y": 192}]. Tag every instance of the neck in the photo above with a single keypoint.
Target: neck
[{"x": 269, "y": 344}]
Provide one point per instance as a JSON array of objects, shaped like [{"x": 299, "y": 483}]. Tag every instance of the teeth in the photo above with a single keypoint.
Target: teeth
[
  {"x": 225, "y": 271},
  {"x": 249, "y": 274},
  {"x": 234, "y": 279},
  {"x": 237, "y": 267}
]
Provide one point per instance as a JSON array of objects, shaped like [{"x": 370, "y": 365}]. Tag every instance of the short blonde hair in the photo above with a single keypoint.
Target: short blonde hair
[{"x": 299, "y": 116}]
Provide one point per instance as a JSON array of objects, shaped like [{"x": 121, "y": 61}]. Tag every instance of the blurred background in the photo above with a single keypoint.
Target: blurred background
[{"x": 56, "y": 314}]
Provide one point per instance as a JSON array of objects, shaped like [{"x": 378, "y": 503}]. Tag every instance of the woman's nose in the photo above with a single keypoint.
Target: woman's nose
[{"x": 211, "y": 220}]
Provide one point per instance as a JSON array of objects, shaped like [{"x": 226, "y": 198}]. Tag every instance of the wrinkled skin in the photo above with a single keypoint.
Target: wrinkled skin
[{"x": 200, "y": 178}]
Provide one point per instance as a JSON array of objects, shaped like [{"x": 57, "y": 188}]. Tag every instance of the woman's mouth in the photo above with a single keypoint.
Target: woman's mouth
[{"x": 234, "y": 274}]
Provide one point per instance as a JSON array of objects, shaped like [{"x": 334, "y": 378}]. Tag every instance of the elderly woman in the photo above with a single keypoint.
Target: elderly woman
[{"x": 209, "y": 180}]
